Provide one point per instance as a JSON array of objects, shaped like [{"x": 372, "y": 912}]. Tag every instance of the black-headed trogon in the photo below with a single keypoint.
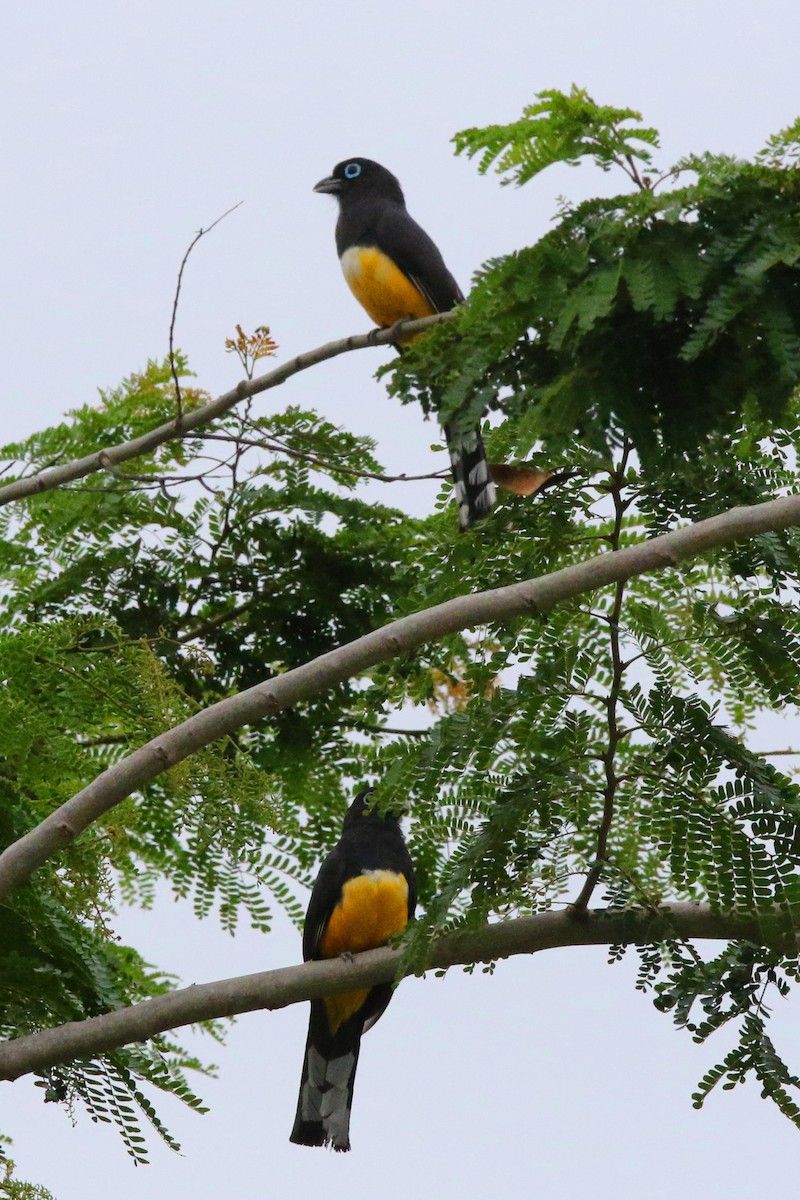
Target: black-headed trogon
[
  {"x": 364, "y": 894},
  {"x": 395, "y": 271}
]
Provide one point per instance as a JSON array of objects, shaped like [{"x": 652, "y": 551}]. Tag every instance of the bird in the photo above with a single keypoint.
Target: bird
[
  {"x": 395, "y": 271},
  {"x": 365, "y": 893}
]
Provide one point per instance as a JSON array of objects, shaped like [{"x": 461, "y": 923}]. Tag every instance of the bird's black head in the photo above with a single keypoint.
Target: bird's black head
[
  {"x": 358, "y": 177},
  {"x": 363, "y": 807}
]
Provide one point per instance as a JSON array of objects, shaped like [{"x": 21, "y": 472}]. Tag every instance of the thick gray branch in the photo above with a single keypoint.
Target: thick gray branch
[
  {"x": 290, "y": 985},
  {"x": 187, "y": 423},
  {"x": 534, "y": 596}
]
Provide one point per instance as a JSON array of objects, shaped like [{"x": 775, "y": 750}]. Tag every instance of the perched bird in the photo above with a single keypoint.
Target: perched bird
[
  {"x": 395, "y": 271},
  {"x": 364, "y": 894}
]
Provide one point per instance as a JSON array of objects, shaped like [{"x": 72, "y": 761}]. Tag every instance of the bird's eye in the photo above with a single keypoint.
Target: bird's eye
[{"x": 352, "y": 170}]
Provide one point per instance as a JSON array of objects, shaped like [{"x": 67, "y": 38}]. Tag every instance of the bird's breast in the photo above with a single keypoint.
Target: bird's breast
[
  {"x": 380, "y": 286},
  {"x": 373, "y": 907}
]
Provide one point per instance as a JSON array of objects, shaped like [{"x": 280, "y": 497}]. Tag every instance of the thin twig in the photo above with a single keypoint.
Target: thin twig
[
  {"x": 367, "y": 727},
  {"x": 200, "y": 233},
  {"x": 220, "y": 619},
  {"x": 276, "y": 446},
  {"x": 148, "y": 481},
  {"x": 421, "y": 733},
  {"x": 110, "y": 739},
  {"x": 224, "y": 529}
]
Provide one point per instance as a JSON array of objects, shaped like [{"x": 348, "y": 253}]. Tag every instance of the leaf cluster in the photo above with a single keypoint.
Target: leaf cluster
[
  {"x": 560, "y": 128},
  {"x": 673, "y": 315}
]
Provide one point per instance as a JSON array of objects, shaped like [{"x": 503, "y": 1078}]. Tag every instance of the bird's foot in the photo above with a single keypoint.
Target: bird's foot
[
  {"x": 372, "y": 336},
  {"x": 392, "y": 329}
]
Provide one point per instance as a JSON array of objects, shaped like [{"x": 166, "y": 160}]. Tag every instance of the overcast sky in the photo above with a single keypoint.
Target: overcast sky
[{"x": 126, "y": 127}]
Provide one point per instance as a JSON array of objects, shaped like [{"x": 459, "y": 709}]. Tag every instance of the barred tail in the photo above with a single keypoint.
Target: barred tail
[
  {"x": 326, "y": 1096},
  {"x": 472, "y": 479}
]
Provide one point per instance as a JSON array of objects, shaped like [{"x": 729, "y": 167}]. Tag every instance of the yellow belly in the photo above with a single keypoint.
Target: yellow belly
[
  {"x": 380, "y": 286},
  {"x": 373, "y": 907}
]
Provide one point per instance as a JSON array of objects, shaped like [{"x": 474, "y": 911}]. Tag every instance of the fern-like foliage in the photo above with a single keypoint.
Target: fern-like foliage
[
  {"x": 560, "y": 127},
  {"x": 674, "y": 317}
]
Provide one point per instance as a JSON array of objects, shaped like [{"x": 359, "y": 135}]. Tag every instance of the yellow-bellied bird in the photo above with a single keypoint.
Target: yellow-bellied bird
[
  {"x": 395, "y": 271},
  {"x": 363, "y": 896}
]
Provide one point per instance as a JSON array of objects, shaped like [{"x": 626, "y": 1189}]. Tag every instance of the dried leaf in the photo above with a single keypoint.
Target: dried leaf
[{"x": 526, "y": 480}]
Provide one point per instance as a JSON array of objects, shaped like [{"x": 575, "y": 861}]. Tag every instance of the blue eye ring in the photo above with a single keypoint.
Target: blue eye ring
[{"x": 352, "y": 171}]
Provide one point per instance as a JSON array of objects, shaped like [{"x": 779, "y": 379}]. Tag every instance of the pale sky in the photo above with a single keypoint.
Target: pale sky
[{"x": 126, "y": 127}]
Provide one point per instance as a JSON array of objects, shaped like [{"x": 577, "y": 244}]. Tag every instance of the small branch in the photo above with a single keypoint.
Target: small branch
[
  {"x": 612, "y": 780},
  {"x": 387, "y": 729},
  {"x": 160, "y": 481},
  {"x": 78, "y": 468},
  {"x": 390, "y": 731},
  {"x": 275, "y": 446},
  {"x": 498, "y": 606},
  {"x": 110, "y": 739},
  {"x": 634, "y": 172},
  {"x": 214, "y": 622},
  {"x": 224, "y": 530},
  {"x": 292, "y": 985},
  {"x": 192, "y": 244}
]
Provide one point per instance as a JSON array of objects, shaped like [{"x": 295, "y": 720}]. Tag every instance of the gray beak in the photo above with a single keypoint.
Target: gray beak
[{"x": 331, "y": 185}]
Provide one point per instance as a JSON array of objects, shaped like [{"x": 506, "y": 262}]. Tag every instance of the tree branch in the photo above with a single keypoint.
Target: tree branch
[
  {"x": 182, "y": 426},
  {"x": 531, "y": 597},
  {"x": 309, "y": 981}
]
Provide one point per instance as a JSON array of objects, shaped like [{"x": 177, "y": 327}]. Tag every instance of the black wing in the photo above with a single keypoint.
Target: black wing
[
  {"x": 417, "y": 256},
  {"x": 326, "y": 894}
]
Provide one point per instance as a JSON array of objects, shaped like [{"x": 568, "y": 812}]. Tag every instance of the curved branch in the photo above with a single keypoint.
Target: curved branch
[
  {"x": 291, "y": 985},
  {"x": 532, "y": 597},
  {"x": 182, "y": 426}
]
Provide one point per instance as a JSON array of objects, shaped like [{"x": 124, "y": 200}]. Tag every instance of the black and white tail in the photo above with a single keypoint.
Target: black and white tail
[
  {"x": 472, "y": 480},
  {"x": 326, "y": 1097}
]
